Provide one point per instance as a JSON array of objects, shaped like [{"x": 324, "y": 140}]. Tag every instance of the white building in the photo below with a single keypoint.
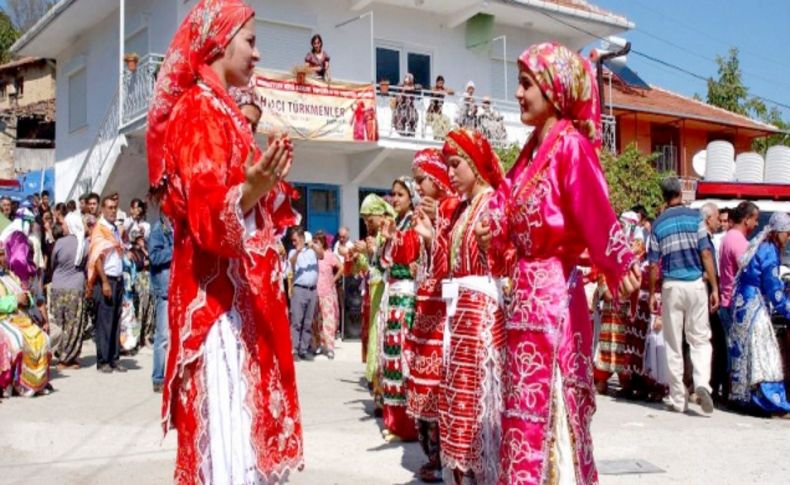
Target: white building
[{"x": 101, "y": 141}]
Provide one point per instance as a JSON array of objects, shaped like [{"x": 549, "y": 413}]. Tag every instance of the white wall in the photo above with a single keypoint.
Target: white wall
[{"x": 348, "y": 46}]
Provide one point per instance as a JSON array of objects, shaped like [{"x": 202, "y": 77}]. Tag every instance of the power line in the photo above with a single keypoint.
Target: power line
[
  {"x": 657, "y": 60},
  {"x": 705, "y": 34}
]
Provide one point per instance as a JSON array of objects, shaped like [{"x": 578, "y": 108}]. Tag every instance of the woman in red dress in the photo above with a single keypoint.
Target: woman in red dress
[
  {"x": 423, "y": 348},
  {"x": 230, "y": 388}
]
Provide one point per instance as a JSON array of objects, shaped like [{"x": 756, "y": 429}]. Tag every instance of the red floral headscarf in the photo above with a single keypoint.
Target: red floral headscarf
[
  {"x": 567, "y": 81},
  {"x": 473, "y": 147},
  {"x": 203, "y": 35},
  {"x": 431, "y": 162}
]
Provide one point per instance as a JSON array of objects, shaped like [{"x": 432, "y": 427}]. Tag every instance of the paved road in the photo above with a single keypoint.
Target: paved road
[{"x": 104, "y": 429}]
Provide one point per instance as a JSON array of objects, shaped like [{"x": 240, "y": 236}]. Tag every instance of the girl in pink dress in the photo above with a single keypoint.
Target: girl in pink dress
[
  {"x": 328, "y": 314},
  {"x": 552, "y": 205}
]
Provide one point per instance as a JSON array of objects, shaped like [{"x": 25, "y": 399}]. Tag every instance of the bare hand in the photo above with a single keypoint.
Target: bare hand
[
  {"x": 106, "y": 289},
  {"x": 631, "y": 281},
  {"x": 360, "y": 246},
  {"x": 423, "y": 226},
  {"x": 658, "y": 324},
  {"x": 388, "y": 229},
  {"x": 429, "y": 206},
  {"x": 653, "y": 303},
  {"x": 714, "y": 302},
  {"x": 370, "y": 245},
  {"x": 483, "y": 234},
  {"x": 22, "y": 300},
  {"x": 262, "y": 175}
]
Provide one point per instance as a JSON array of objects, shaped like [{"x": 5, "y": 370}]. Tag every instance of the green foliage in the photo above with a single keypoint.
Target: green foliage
[
  {"x": 729, "y": 92},
  {"x": 8, "y": 35},
  {"x": 632, "y": 179},
  {"x": 508, "y": 155}
]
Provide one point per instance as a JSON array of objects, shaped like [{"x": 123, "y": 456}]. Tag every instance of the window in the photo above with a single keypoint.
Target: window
[
  {"x": 388, "y": 65},
  {"x": 323, "y": 200},
  {"x": 282, "y": 46},
  {"x": 78, "y": 99},
  {"x": 498, "y": 79},
  {"x": 420, "y": 66}
]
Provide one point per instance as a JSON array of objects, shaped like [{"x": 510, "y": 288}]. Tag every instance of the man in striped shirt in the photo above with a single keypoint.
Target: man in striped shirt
[{"x": 680, "y": 245}]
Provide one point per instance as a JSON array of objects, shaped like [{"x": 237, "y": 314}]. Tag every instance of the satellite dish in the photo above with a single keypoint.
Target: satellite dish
[{"x": 699, "y": 161}]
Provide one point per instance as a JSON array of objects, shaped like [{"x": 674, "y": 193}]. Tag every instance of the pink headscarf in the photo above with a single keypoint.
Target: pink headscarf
[
  {"x": 566, "y": 80},
  {"x": 203, "y": 35}
]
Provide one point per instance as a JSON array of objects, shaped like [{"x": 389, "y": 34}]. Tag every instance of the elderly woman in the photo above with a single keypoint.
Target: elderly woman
[
  {"x": 552, "y": 205},
  {"x": 757, "y": 378},
  {"x": 27, "y": 344},
  {"x": 66, "y": 291}
]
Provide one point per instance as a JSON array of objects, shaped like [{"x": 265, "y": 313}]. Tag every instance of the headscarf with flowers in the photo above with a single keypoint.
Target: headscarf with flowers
[{"x": 566, "y": 80}]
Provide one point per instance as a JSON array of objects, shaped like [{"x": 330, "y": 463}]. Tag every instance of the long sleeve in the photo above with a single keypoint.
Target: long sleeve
[
  {"x": 771, "y": 285},
  {"x": 585, "y": 200},
  {"x": 403, "y": 249},
  {"x": 204, "y": 153},
  {"x": 498, "y": 214}
]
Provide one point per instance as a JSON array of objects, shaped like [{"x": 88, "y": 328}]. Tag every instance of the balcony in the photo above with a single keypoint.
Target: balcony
[
  {"x": 422, "y": 117},
  {"x": 138, "y": 89},
  {"x": 427, "y": 116}
]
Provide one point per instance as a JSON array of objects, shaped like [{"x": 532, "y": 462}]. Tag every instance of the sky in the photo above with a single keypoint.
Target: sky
[{"x": 691, "y": 33}]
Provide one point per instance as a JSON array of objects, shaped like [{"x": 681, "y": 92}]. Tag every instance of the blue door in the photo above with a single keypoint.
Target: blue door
[{"x": 320, "y": 207}]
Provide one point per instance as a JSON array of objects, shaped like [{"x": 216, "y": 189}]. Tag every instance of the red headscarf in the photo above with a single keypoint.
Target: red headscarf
[
  {"x": 566, "y": 80},
  {"x": 431, "y": 162},
  {"x": 473, "y": 147},
  {"x": 203, "y": 35}
]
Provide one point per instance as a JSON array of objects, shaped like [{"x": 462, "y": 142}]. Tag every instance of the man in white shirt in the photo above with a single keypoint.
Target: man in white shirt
[
  {"x": 108, "y": 266},
  {"x": 304, "y": 264}
]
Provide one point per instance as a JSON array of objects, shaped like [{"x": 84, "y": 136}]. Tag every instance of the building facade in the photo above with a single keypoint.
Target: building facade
[{"x": 102, "y": 103}]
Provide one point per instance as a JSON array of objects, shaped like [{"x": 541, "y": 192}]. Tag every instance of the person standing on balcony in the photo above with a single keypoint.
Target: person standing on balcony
[
  {"x": 467, "y": 111},
  {"x": 551, "y": 206},
  {"x": 438, "y": 121},
  {"x": 404, "y": 114},
  {"x": 317, "y": 60},
  {"x": 229, "y": 387}
]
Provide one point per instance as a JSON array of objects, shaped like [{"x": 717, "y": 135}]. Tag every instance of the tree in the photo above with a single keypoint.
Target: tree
[
  {"x": 508, "y": 155},
  {"x": 8, "y": 35},
  {"x": 729, "y": 92},
  {"x": 632, "y": 179},
  {"x": 25, "y": 13}
]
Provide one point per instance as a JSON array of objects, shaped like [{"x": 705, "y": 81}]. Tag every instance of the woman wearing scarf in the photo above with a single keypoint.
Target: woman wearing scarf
[
  {"x": 66, "y": 291},
  {"x": 470, "y": 401},
  {"x": 401, "y": 251},
  {"x": 27, "y": 345},
  {"x": 552, "y": 206},
  {"x": 230, "y": 388},
  {"x": 757, "y": 377},
  {"x": 423, "y": 347},
  {"x": 365, "y": 258}
]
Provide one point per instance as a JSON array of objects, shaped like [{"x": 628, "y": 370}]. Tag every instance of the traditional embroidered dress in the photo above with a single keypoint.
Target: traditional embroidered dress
[
  {"x": 553, "y": 205},
  {"x": 757, "y": 376},
  {"x": 423, "y": 347},
  {"x": 398, "y": 318},
  {"x": 327, "y": 315},
  {"x": 27, "y": 345},
  {"x": 230, "y": 387},
  {"x": 470, "y": 401}
]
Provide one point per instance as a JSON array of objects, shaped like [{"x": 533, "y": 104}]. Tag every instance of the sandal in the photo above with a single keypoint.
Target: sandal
[{"x": 429, "y": 474}]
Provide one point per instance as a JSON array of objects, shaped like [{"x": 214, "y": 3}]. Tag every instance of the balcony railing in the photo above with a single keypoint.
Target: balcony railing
[
  {"x": 429, "y": 115},
  {"x": 425, "y": 115},
  {"x": 139, "y": 88}
]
